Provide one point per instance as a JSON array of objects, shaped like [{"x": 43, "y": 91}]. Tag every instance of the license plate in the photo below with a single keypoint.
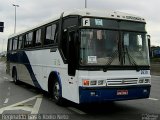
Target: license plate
[{"x": 122, "y": 92}]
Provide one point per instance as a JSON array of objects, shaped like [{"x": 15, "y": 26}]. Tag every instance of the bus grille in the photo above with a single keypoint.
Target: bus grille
[{"x": 122, "y": 82}]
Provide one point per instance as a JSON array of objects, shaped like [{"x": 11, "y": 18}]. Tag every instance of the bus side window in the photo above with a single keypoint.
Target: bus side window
[
  {"x": 15, "y": 40},
  {"x": 23, "y": 40},
  {"x": 10, "y": 44},
  {"x": 29, "y": 37},
  {"x": 38, "y": 38},
  {"x": 50, "y": 35},
  {"x": 20, "y": 42}
]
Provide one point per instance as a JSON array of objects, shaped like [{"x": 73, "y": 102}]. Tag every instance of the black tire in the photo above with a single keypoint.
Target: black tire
[
  {"x": 15, "y": 80},
  {"x": 56, "y": 93}
]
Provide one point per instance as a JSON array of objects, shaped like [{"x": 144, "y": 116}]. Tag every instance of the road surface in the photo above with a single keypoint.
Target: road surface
[{"x": 31, "y": 103}]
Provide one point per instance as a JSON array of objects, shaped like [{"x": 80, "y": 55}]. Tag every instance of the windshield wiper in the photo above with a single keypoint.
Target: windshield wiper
[
  {"x": 114, "y": 55},
  {"x": 130, "y": 58}
]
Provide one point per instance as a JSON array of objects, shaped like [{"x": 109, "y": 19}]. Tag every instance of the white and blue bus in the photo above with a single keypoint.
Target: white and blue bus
[{"x": 84, "y": 56}]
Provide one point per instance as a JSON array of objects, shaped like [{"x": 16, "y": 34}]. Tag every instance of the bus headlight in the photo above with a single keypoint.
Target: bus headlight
[
  {"x": 146, "y": 80},
  {"x": 87, "y": 82},
  {"x": 100, "y": 82},
  {"x": 141, "y": 80},
  {"x": 93, "y": 82}
]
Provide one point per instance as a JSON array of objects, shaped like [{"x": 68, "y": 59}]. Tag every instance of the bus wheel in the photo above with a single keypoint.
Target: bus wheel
[
  {"x": 56, "y": 93},
  {"x": 15, "y": 77}
]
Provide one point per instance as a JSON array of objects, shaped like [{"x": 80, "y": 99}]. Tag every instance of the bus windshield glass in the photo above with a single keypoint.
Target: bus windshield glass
[{"x": 113, "y": 47}]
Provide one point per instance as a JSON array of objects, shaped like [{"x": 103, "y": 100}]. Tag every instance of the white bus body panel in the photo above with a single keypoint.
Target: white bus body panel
[
  {"x": 43, "y": 62},
  {"x": 111, "y": 74}
]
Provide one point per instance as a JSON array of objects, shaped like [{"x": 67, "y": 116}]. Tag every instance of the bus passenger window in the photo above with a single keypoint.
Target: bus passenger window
[
  {"x": 38, "y": 38},
  {"x": 10, "y": 44},
  {"x": 28, "y": 42},
  {"x": 20, "y": 42},
  {"x": 15, "y": 43},
  {"x": 50, "y": 35}
]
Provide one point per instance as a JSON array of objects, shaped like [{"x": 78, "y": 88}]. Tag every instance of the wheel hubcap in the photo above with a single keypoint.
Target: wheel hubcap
[{"x": 56, "y": 91}]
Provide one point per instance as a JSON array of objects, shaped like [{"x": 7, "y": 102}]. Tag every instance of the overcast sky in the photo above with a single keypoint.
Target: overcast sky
[{"x": 32, "y": 12}]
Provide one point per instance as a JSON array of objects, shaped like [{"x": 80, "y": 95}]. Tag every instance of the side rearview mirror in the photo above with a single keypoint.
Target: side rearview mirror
[{"x": 149, "y": 44}]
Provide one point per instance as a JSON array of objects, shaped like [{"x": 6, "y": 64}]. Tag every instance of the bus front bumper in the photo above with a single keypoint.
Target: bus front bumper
[{"x": 104, "y": 94}]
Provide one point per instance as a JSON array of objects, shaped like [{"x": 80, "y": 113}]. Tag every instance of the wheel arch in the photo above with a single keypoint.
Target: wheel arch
[{"x": 54, "y": 75}]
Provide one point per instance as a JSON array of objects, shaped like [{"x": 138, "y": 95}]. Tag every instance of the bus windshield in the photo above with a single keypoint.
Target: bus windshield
[{"x": 113, "y": 47}]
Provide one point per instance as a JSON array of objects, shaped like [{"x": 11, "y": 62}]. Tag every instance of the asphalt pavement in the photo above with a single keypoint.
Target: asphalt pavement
[{"x": 31, "y": 103}]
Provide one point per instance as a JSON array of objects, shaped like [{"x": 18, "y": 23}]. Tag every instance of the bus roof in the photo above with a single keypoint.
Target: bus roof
[
  {"x": 105, "y": 14},
  {"x": 91, "y": 13}
]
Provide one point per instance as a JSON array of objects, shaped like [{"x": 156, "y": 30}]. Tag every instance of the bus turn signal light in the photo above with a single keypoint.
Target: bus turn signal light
[{"x": 86, "y": 82}]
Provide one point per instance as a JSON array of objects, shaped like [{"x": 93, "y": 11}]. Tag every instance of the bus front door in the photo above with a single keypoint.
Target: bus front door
[{"x": 71, "y": 52}]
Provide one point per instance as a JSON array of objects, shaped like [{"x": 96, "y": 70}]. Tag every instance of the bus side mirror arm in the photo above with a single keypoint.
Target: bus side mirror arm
[{"x": 149, "y": 44}]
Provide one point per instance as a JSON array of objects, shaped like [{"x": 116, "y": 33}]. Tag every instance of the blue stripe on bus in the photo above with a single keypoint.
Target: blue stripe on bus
[
  {"x": 110, "y": 94},
  {"x": 22, "y": 58}
]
